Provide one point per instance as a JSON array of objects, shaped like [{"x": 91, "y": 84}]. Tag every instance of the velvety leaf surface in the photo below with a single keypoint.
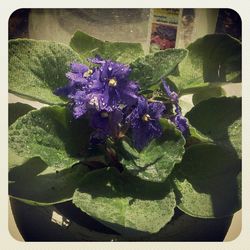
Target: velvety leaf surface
[
  {"x": 88, "y": 46},
  {"x": 49, "y": 133},
  {"x": 125, "y": 203},
  {"x": 37, "y": 68},
  {"x": 207, "y": 93},
  {"x": 185, "y": 105},
  {"x": 208, "y": 182},
  {"x": 148, "y": 70},
  {"x": 156, "y": 161},
  {"x": 196, "y": 137},
  {"x": 213, "y": 58},
  {"x": 37, "y": 184},
  {"x": 18, "y": 109},
  {"x": 220, "y": 120}
]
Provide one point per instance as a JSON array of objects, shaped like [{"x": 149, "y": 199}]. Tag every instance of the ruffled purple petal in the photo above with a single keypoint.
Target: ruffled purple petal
[
  {"x": 156, "y": 109},
  {"x": 76, "y": 77},
  {"x": 79, "y": 110},
  {"x": 143, "y": 134},
  {"x": 144, "y": 122},
  {"x": 142, "y": 107},
  {"x": 118, "y": 70},
  {"x": 171, "y": 94},
  {"x": 181, "y": 123},
  {"x": 63, "y": 91},
  {"x": 78, "y": 68},
  {"x": 129, "y": 93},
  {"x": 96, "y": 60}
]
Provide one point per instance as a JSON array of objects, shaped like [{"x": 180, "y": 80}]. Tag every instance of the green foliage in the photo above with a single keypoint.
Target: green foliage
[
  {"x": 211, "y": 59},
  {"x": 157, "y": 160},
  {"x": 207, "y": 93},
  {"x": 220, "y": 120},
  {"x": 17, "y": 110},
  {"x": 150, "y": 69},
  {"x": 88, "y": 46},
  {"x": 49, "y": 133},
  {"x": 201, "y": 174},
  {"x": 37, "y": 68},
  {"x": 36, "y": 183},
  {"x": 207, "y": 182},
  {"x": 125, "y": 203}
]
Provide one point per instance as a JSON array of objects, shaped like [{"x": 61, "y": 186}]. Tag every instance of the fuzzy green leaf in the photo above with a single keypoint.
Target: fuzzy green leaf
[
  {"x": 150, "y": 69},
  {"x": 88, "y": 46},
  {"x": 125, "y": 203},
  {"x": 49, "y": 133},
  {"x": 156, "y": 161},
  {"x": 37, "y": 184},
  {"x": 211, "y": 59},
  {"x": 207, "y": 93},
  {"x": 220, "y": 120},
  {"x": 37, "y": 68},
  {"x": 17, "y": 110},
  {"x": 208, "y": 183}
]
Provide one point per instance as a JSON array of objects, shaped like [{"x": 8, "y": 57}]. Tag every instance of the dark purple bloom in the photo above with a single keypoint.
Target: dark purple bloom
[
  {"x": 111, "y": 69},
  {"x": 114, "y": 86},
  {"x": 77, "y": 90},
  {"x": 144, "y": 121},
  {"x": 178, "y": 119},
  {"x": 171, "y": 94},
  {"x": 181, "y": 123},
  {"x": 77, "y": 79},
  {"x": 106, "y": 123},
  {"x": 101, "y": 88}
]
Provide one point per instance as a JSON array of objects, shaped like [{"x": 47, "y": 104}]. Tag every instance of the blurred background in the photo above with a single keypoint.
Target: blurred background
[{"x": 155, "y": 29}]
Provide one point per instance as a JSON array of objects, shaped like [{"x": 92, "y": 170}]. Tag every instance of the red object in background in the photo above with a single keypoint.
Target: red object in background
[{"x": 163, "y": 43}]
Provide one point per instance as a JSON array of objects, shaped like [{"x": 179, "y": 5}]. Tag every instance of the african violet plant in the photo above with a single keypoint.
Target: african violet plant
[{"x": 114, "y": 138}]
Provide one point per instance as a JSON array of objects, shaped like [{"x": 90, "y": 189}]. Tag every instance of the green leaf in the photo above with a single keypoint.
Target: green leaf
[
  {"x": 37, "y": 184},
  {"x": 207, "y": 93},
  {"x": 17, "y": 110},
  {"x": 220, "y": 120},
  {"x": 207, "y": 182},
  {"x": 125, "y": 203},
  {"x": 37, "y": 68},
  {"x": 156, "y": 161},
  {"x": 196, "y": 137},
  {"x": 211, "y": 59},
  {"x": 51, "y": 134},
  {"x": 186, "y": 105},
  {"x": 88, "y": 46},
  {"x": 150, "y": 69}
]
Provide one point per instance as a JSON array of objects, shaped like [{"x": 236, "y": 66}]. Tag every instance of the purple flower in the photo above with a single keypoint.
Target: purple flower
[
  {"x": 178, "y": 119},
  {"x": 106, "y": 124},
  {"x": 144, "y": 121},
  {"x": 111, "y": 69},
  {"x": 77, "y": 80},
  {"x": 78, "y": 88},
  {"x": 171, "y": 94},
  {"x": 114, "y": 86},
  {"x": 181, "y": 123},
  {"x": 104, "y": 87}
]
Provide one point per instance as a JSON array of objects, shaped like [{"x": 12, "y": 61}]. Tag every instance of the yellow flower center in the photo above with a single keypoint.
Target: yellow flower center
[
  {"x": 146, "y": 118},
  {"x": 88, "y": 73},
  {"x": 112, "y": 82},
  {"x": 104, "y": 114}
]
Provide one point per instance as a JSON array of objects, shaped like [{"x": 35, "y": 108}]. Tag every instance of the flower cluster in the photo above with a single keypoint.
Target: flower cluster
[{"x": 111, "y": 100}]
